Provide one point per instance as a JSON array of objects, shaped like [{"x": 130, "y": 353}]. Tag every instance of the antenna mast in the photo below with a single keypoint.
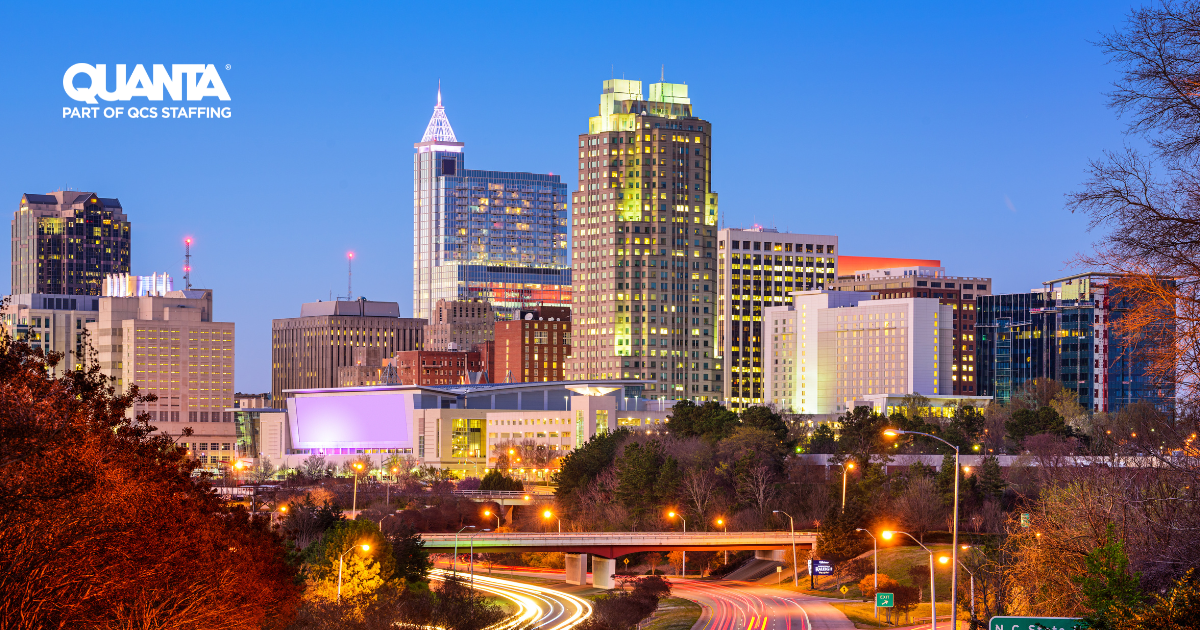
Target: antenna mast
[
  {"x": 350, "y": 271},
  {"x": 187, "y": 265}
]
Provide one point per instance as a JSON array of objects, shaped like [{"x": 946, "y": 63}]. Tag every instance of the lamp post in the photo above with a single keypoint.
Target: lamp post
[
  {"x": 489, "y": 513},
  {"x": 454, "y": 563},
  {"x": 792, "y": 526},
  {"x": 876, "y": 541},
  {"x": 354, "y": 504},
  {"x": 548, "y": 514},
  {"x": 683, "y": 570},
  {"x": 365, "y": 549},
  {"x": 721, "y": 523},
  {"x": 932, "y": 595},
  {"x": 972, "y": 574},
  {"x": 953, "y": 550},
  {"x": 395, "y": 470},
  {"x": 846, "y": 468}
]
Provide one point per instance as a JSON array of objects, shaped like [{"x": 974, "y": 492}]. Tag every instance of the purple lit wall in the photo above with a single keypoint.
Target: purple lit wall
[{"x": 352, "y": 420}]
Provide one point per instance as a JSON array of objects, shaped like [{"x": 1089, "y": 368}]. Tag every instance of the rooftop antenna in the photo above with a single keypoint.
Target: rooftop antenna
[
  {"x": 663, "y": 73},
  {"x": 187, "y": 264},
  {"x": 350, "y": 256}
]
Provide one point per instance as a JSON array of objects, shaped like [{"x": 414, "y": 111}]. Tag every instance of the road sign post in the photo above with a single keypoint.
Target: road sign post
[
  {"x": 779, "y": 573},
  {"x": 1036, "y": 623}
]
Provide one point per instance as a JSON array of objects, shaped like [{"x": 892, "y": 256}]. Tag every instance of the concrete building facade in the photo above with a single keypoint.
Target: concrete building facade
[
  {"x": 831, "y": 348},
  {"x": 760, "y": 268},
  {"x": 643, "y": 224},
  {"x": 307, "y": 351},
  {"x": 66, "y": 242},
  {"x": 171, "y": 347},
  {"x": 459, "y": 326}
]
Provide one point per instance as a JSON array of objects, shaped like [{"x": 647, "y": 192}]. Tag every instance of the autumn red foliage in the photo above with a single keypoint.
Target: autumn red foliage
[{"x": 103, "y": 525}]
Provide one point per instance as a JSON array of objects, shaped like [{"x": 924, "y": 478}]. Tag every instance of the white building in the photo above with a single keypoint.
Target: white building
[
  {"x": 52, "y": 323},
  {"x": 829, "y": 349}
]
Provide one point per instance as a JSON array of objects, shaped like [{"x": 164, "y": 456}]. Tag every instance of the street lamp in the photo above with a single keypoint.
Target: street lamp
[
  {"x": 954, "y": 550},
  {"x": 846, "y": 468},
  {"x": 876, "y": 541},
  {"x": 548, "y": 514},
  {"x": 972, "y": 574},
  {"x": 792, "y": 525},
  {"x": 683, "y": 569},
  {"x": 454, "y": 563},
  {"x": 489, "y": 513},
  {"x": 722, "y": 525},
  {"x": 932, "y": 595},
  {"x": 388, "y": 500},
  {"x": 365, "y": 547},
  {"x": 354, "y": 505}
]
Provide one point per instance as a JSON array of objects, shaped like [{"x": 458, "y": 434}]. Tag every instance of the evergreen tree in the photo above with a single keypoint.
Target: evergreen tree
[{"x": 1107, "y": 583}]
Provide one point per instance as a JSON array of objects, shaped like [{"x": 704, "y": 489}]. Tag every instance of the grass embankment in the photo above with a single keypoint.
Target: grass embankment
[
  {"x": 674, "y": 613},
  {"x": 863, "y": 614},
  {"x": 895, "y": 563}
]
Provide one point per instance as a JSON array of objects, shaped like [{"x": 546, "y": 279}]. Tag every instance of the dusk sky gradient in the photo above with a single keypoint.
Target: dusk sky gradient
[{"x": 948, "y": 131}]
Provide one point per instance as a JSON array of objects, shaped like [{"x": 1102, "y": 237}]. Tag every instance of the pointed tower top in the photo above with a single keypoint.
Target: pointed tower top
[{"x": 439, "y": 129}]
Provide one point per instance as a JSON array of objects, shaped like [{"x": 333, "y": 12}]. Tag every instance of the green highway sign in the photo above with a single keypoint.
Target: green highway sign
[
  {"x": 885, "y": 600},
  {"x": 1036, "y": 623}
]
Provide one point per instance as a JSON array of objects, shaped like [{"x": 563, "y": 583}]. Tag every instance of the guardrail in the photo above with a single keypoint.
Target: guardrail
[{"x": 610, "y": 540}]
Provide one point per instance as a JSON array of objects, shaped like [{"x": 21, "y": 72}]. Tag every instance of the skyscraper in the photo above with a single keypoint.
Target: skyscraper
[
  {"x": 644, "y": 227},
  {"x": 759, "y": 268},
  {"x": 66, "y": 242},
  {"x": 493, "y": 236}
]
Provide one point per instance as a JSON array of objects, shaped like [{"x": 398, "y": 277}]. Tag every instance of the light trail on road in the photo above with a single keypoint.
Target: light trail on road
[{"x": 544, "y": 608}]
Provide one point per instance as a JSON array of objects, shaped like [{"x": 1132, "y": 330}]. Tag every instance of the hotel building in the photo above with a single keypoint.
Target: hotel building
[
  {"x": 643, "y": 225},
  {"x": 929, "y": 281},
  {"x": 486, "y": 236},
  {"x": 760, "y": 268},
  {"x": 66, "y": 242},
  {"x": 831, "y": 348}
]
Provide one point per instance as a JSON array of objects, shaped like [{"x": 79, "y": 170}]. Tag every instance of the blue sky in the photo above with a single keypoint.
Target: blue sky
[{"x": 947, "y": 131}]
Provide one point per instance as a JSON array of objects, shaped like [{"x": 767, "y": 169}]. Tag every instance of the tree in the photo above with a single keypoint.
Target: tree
[
  {"x": 757, "y": 488},
  {"x": 646, "y": 480},
  {"x": 697, "y": 487},
  {"x": 496, "y": 480},
  {"x": 102, "y": 524},
  {"x": 991, "y": 479},
  {"x": 1107, "y": 584},
  {"x": 866, "y": 586},
  {"x": 1178, "y": 609},
  {"x": 581, "y": 466},
  {"x": 262, "y": 471},
  {"x": 710, "y": 420},
  {"x": 822, "y": 440},
  {"x": 314, "y": 466},
  {"x": 411, "y": 561},
  {"x": 764, "y": 418},
  {"x": 305, "y": 521},
  {"x": 862, "y": 436},
  {"x": 905, "y": 599},
  {"x": 362, "y": 571},
  {"x": 916, "y": 406},
  {"x": 919, "y": 507},
  {"x": 1028, "y": 422}
]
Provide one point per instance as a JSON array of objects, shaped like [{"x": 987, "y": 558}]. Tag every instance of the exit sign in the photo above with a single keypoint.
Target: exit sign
[
  {"x": 1036, "y": 623},
  {"x": 885, "y": 600}
]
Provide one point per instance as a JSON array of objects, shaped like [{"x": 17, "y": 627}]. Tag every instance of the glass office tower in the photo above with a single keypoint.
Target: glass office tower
[{"x": 493, "y": 236}]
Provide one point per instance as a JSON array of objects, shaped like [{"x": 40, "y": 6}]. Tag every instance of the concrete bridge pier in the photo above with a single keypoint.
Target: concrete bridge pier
[
  {"x": 576, "y": 568},
  {"x": 508, "y": 510},
  {"x": 602, "y": 572},
  {"x": 769, "y": 554}
]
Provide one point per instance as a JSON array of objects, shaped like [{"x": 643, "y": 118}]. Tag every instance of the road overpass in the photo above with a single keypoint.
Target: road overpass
[{"x": 605, "y": 547}]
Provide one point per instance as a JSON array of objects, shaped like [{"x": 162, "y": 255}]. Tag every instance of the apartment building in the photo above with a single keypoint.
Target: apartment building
[
  {"x": 66, "y": 242},
  {"x": 760, "y": 268}
]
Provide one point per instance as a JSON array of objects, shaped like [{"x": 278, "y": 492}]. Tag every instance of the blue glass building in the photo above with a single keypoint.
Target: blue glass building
[{"x": 494, "y": 236}]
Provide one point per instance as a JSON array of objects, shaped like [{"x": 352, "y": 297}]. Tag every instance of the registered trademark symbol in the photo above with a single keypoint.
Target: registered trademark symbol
[{"x": 228, "y": 67}]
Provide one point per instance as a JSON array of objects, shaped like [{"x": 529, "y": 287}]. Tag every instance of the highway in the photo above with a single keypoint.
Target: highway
[
  {"x": 743, "y": 606},
  {"x": 542, "y": 608}
]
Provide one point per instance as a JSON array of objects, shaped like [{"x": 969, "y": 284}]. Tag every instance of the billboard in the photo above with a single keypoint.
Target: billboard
[{"x": 352, "y": 420}]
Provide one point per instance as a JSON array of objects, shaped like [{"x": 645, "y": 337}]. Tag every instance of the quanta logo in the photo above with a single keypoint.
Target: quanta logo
[{"x": 193, "y": 81}]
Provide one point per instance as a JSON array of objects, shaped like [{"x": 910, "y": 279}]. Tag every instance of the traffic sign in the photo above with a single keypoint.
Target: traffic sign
[
  {"x": 1025, "y": 519},
  {"x": 1036, "y": 623},
  {"x": 885, "y": 600},
  {"x": 822, "y": 567},
  {"x": 844, "y": 590}
]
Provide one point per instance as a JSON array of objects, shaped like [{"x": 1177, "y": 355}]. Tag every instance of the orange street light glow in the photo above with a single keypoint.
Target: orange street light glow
[
  {"x": 527, "y": 497},
  {"x": 944, "y": 559},
  {"x": 850, "y": 465},
  {"x": 887, "y": 535},
  {"x": 547, "y": 514},
  {"x": 366, "y": 547}
]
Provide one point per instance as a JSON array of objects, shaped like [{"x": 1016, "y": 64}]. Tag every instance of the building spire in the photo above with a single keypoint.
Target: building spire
[{"x": 439, "y": 129}]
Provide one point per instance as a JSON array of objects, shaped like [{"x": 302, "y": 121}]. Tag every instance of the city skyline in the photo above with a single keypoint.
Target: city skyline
[{"x": 226, "y": 181}]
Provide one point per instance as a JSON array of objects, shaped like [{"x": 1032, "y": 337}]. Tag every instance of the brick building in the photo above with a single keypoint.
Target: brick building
[
  {"x": 430, "y": 367},
  {"x": 535, "y": 348}
]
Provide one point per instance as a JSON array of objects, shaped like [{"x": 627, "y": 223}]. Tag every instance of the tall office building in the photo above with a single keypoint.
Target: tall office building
[
  {"x": 759, "y": 268},
  {"x": 52, "y": 323},
  {"x": 66, "y": 242},
  {"x": 644, "y": 226},
  {"x": 491, "y": 236},
  {"x": 307, "y": 351},
  {"x": 170, "y": 346},
  {"x": 1063, "y": 332},
  {"x": 928, "y": 281}
]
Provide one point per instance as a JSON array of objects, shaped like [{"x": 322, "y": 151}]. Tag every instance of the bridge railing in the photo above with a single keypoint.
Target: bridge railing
[{"x": 496, "y": 494}]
